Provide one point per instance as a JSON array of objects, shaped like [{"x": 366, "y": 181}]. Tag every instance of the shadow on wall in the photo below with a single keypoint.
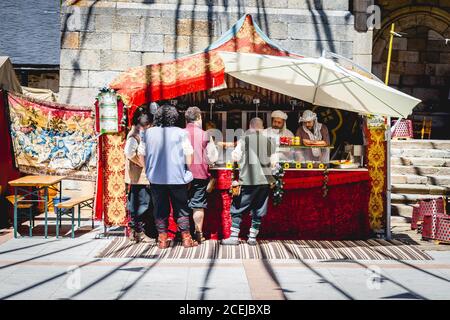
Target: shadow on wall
[{"x": 216, "y": 22}]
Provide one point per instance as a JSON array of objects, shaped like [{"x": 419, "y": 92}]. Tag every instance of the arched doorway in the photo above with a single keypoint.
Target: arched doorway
[{"x": 420, "y": 61}]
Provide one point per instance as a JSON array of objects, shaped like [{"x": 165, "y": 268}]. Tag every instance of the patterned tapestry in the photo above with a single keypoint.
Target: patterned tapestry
[
  {"x": 376, "y": 157},
  {"x": 112, "y": 164},
  {"x": 54, "y": 139}
]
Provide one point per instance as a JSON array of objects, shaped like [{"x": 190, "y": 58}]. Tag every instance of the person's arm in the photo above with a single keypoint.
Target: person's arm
[
  {"x": 141, "y": 152},
  {"x": 325, "y": 134},
  {"x": 131, "y": 147},
  {"x": 188, "y": 150}
]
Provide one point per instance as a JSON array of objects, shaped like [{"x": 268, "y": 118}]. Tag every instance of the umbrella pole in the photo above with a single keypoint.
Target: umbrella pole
[{"x": 388, "y": 143}]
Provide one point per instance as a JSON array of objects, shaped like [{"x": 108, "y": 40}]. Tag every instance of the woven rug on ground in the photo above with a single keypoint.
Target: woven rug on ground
[{"x": 121, "y": 247}]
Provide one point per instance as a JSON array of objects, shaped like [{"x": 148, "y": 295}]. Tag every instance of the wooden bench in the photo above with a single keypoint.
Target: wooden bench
[
  {"x": 67, "y": 208},
  {"x": 24, "y": 206}
]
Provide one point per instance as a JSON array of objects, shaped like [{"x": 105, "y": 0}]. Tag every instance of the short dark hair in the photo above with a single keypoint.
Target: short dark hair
[
  {"x": 192, "y": 114},
  {"x": 166, "y": 116},
  {"x": 141, "y": 116}
]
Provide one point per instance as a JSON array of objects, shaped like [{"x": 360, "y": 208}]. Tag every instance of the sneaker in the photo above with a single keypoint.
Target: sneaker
[
  {"x": 132, "y": 236},
  {"x": 230, "y": 242},
  {"x": 142, "y": 237},
  {"x": 252, "y": 242}
]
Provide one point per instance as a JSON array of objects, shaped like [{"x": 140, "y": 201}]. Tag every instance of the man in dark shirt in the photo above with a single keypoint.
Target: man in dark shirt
[{"x": 256, "y": 155}]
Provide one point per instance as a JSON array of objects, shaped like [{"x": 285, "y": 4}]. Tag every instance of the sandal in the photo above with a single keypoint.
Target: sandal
[
  {"x": 187, "y": 240},
  {"x": 199, "y": 237},
  {"x": 163, "y": 241}
]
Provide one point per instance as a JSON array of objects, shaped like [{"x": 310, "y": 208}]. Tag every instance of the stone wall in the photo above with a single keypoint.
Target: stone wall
[
  {"x": 99, "y": 40},
  {"x": 420, "y": 58}
]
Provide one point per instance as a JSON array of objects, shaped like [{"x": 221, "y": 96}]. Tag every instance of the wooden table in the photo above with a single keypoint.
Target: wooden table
[{"x": 37, "y": 183}]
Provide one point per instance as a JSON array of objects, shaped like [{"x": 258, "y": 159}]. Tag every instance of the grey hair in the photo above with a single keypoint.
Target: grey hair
[
  {"x": 192, "y": 114},
  {"x": 256, "y": 123}
]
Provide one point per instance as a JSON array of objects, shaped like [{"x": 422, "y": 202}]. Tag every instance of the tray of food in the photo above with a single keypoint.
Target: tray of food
[{"x": 344, "y": 164}]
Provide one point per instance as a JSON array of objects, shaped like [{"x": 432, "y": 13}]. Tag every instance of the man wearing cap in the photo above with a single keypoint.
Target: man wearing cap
[
  {"x": 277, "y": 130},
  {"x": 278, "y": 127},
  {"x": 316, "y": 134}
]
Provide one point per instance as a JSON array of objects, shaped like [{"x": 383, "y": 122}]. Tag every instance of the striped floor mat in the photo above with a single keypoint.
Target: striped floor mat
[{"x": 120, "y": 247}]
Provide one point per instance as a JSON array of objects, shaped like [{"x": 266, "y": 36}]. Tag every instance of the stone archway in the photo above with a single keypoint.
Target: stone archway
[{"x": 421, "y": 59}]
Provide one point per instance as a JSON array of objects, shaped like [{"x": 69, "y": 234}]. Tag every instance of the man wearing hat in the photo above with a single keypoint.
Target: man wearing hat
[
  {"x": 277, "y": 130},
  {"x": 313, "y": 133},
  {"x": 278, "y": 127}
]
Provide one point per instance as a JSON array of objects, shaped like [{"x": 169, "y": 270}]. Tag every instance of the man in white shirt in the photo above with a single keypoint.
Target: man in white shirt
[{"x": 277, "y": 130}]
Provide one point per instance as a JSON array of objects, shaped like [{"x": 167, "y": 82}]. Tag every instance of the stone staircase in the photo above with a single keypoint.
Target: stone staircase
[{"x": 419, "y": 169}]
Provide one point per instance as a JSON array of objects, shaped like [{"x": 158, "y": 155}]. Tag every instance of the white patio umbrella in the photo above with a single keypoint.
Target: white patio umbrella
[{"x": 319, "y": 81}]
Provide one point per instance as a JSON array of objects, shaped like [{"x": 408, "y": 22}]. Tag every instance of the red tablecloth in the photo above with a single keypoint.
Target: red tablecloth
[{"x": 304, "y": 213}]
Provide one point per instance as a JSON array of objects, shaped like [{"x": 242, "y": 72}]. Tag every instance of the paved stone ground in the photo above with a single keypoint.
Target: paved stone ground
[{"x": 38, "y": 268}]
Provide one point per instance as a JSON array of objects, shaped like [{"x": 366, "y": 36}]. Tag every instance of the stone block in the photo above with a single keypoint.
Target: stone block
[
  {"x": 362, "y": 42},
  {"x": 318, "y": 5},
  {"x": 157, "y": 25},
  {"x": 443, "y": 70},
  {"x": 125, "y": 24},
  {"x": 120, "y": 41},
  {"x": 430, "y": 57},
  {"x": 414, "y": 68},
  {"x": 437, "y": 45},
  {"x": 77, "y": 22},
  {"x": 439, "y": 81},
  {"x": 278, "y": 30},
  {"x": 73, "y": 78},
  {"x": 95, "y": 40},
  {"x": 131, "y": 9},
  {"x": 200, "y": 43},
  {"x": 80, "y": 59},
  {"x": 408, "y": 56},
  {"x": 410, "y": 80},
  {"x": 318, "y": 32},
  {"x": 197, "y": 28},
  {"x": 432, "y": 23},
  {"x": 425, "y": 94},
  {"x": 399, "y": 44},
  {"x": 445, "y": 57},
  {"x": 78, "y": 96},
  {"x": 103, "y": 23},
  {"x": 147, "y": 42},
  {"x": 70, "y": 40},
  {"x": 119, "y": 60},
  {"x": 100, "y": 79},
  {"x": 156, "y": 57},
  {"x": 181, "y": 44},
  {"x": 417, "y": 44}
]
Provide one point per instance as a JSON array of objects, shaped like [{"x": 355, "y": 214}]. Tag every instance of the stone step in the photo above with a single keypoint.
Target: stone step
[
  {"x": 421, "y": 144},
  {"x": 433, "y": 180},
  {"x": 420, "y": 170},
  {"x": 405, "y": 188},
  {"x": 397, "y": 198},
  {"x": 422, "y": 153},
  {"x": 402, "y": 210},
  {"x": 400, "y": 221},
  {"x": 420, "y": 161}
]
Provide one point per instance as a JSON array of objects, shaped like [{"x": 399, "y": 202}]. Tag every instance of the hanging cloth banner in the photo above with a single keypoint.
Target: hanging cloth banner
[{"x": 53, "y": 139}]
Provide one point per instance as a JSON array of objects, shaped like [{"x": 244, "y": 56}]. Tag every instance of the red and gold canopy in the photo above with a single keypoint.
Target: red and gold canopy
[{"x": 192, "y": 73}]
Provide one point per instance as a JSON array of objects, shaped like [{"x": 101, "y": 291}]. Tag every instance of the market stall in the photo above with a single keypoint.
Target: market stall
[{"x": 340, "y": 199}]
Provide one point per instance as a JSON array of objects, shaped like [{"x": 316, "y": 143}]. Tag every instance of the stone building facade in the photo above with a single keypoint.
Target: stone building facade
[
  {"x": 100, "y": 39},
  {"x": 421, "y": 57}
]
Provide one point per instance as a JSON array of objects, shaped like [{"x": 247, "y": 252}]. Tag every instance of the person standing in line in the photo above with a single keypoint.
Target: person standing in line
[
  {"x": 256, "y": 155},
  {"x": 139, "y": 198},
  {"x": 205, "y": 152},
  {"x": 167, "y": 154}
]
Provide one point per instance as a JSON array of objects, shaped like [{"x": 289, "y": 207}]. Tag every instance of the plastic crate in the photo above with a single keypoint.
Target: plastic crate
[
  {"x": 427, "y": 206},
  {"x": 443, "y": 228},
  {"x": 403, "y": 130},
  {"x": 431, "y": 226}
]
